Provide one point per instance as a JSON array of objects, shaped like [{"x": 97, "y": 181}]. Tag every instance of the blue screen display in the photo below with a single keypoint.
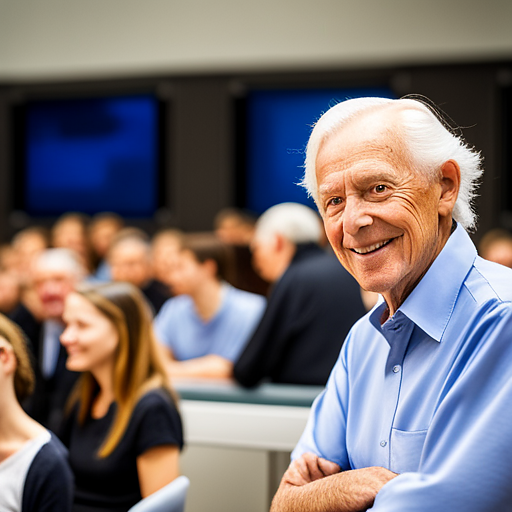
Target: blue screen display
[
  {"x": 92, "y": 155},
  {"x": 279, "y": 123}
]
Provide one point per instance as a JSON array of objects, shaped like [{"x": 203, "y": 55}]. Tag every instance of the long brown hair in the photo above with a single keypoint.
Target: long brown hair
[
  {"x": 137, "y": 368},
  {"x": 24, "y": 374}
]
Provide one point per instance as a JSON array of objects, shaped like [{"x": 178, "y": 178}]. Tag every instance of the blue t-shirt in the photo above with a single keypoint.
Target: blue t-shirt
[
  {"x": 179, "y": 327},
  {"x": 428, "y": 394}
]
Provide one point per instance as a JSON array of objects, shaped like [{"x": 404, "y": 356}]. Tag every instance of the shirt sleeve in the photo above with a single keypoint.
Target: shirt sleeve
[
  {"x": 328, "y": 415},
  {"x": 158, "y": 422},
  {"x": 467, "y": 458},
  {"x": 49, "y": 483},
  {"x": 162, "y": 321}
]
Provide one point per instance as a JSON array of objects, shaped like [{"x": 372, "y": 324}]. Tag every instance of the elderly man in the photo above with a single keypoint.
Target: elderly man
[
  {"x": 55, "y": 274},
  {"x": 416, "y": 414},
  {"x": 313, "y": 298}
]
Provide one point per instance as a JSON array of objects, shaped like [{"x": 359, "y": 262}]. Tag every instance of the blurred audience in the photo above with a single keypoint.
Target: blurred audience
[
  {"x": 312, "y": 305},
  {"x": 206, "y": 326},
  {"x": 10, "y": 292},
  {"x": 34, "y": 473},
  {"x": 123, "y": 430},
  {"x": 496, "y": 245},
  {"x": 103, "y": 228},
  {"x": 234, "y": 226},
  {"x": 56, "y": 272},
  {"x": 70, "y": 232},
  {"x": 129, "y": 258},
  {"x": 165, "y": 249}
]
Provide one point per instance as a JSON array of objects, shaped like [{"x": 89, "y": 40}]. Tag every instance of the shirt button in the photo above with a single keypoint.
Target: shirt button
[
  {"x": 383, "y": 443},
  {"x": 396, "y": 368}
]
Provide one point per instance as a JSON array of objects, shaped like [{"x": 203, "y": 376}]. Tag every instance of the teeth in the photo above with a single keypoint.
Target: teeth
[{"x": 370, "y": 248}]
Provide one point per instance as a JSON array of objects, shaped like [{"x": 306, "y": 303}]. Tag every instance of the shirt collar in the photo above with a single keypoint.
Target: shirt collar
[{"x": 430, "y": 305}]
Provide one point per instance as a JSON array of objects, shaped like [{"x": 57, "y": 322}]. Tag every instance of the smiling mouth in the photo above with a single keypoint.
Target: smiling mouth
[{"x": 371, "y": 248}]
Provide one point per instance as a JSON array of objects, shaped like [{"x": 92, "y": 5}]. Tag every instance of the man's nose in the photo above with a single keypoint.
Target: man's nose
[{"x": 355, "y": 215}]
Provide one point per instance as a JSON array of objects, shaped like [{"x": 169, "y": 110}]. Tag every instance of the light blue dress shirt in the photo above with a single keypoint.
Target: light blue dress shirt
[
  {"x": 428, "y": 394},
  {"x": 179, "y": 327}
]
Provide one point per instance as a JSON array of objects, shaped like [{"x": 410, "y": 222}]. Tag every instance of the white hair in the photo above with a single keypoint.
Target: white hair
[
  {"x": 429, "y": 143},
  {"x": 61, "y": 260},
  {"x": 294, "y": 221}
]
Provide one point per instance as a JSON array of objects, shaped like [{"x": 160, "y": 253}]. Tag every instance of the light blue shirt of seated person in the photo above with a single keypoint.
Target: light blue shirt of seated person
[
  {"x": 179, "y": 327},
  {"x": 428, "y": 394}
]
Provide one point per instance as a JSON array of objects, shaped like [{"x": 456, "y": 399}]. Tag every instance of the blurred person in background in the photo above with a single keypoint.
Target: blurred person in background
[
  {"x": 55, "y": 274},
  {"x": 165, "y": 249},
  {"x": 70, "y": 232},
  {"x": 34, "y": 472},
  {"x": 312, "y": 305},
  {"x": 10, "y": 292},
  {"x": 28, "y": 244},
  {"x": 129, "y": 258},
  {"x": 102, "y": 229},
  {"x": 235, "y": 227},
  {"x": 123, "y": 430},
  {"x": 496, "y": 245},
  {"x": 206, "y": 326}
]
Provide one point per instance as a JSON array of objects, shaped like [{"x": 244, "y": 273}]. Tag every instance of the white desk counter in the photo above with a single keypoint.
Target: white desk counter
[{"x": 239, "y": 441}]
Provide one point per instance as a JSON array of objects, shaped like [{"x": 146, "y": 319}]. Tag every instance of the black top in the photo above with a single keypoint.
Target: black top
[
  {"x": 309, "y": 313},
  {"x": 112, "y": 484},
  {"x": 49, "y": 482},
  {"x": 47, "y": 402}
]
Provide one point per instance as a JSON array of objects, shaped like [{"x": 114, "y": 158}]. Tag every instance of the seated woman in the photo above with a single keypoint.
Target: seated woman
[
  {"x": 34, "y": 473},
  {"x": 207, "y": 325},
  {"x": 123, "y": 431}
]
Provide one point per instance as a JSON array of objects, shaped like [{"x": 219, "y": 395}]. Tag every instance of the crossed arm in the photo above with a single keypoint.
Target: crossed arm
[{"x": 314, "y": 484}]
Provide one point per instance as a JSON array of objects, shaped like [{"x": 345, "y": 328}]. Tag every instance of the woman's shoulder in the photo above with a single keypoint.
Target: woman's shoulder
[
  {"x": 49, "y": 479},
  {"x": 156, "y": 420}
]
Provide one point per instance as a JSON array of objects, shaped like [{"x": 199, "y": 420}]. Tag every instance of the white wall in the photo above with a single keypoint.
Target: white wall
[{"x": 41, "y": 39}]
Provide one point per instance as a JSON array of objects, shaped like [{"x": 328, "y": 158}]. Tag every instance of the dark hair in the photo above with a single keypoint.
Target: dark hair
[{"x": 206, "y": 246}]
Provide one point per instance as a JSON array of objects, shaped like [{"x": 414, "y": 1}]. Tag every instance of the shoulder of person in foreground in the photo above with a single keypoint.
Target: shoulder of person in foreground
[{"x": 49, "y": 483}]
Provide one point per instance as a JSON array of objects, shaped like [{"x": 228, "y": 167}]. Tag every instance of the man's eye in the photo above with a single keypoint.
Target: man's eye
[
  {"x": 380, "y": 189},
  {"x": 335, "y": 201}
]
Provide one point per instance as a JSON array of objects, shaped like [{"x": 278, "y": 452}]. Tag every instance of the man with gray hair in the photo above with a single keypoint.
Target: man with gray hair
[
  {"x": 55, "y": 274},
  {"x": 416, "y": 414},
  {"x": 312, "y": 305}
]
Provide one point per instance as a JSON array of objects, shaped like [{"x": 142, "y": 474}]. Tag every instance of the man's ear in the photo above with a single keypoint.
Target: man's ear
[
  {"x": 279, "y": 242},
  {"x": 450, "y": 184},
  {"x": 211, "y": 266}
]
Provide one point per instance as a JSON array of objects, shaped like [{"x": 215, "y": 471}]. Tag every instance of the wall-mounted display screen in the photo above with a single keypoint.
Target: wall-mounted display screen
[
  {"x": 278, "y": 124},
  {"x": 90, "y": 155}
]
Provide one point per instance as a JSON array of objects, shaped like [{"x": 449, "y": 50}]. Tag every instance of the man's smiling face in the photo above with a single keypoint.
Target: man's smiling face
[{"x": 380, "y": 213}]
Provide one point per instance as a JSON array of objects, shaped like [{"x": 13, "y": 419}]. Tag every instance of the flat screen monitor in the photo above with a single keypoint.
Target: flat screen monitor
[
  {"x": 90, "y": 155},
  {"x": 278, "y": 124}
]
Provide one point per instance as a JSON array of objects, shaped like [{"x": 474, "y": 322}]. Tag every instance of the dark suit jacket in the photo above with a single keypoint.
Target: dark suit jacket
[
  {"x": 47, "y": 403},
  {"x": 309, "y": 313}
]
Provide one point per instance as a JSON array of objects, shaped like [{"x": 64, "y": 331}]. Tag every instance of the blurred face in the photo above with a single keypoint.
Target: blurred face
[
  {"x": 90, "y": 338},
  {"x": 101, "y": 236},
  {"x": 52, "y": 287},
  {"x": 130, "y": 262},
  {"x": 70, "y": 235},
  {"x": 381, "y": 216},
  {"x": 265, "y": 257},
  {"x": 165, "y": 259},
  {"x": 188, "y": 274}
]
